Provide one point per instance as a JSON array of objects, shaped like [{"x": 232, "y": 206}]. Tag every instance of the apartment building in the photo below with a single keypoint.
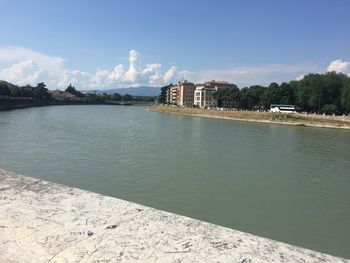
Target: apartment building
[
  {"x": 185, "y": 93},
  {"x": 181, "y": 94},
  {"x": 203, "y": 96},
  {"x": 171, "y": 95},
  {"x": 204, "y": 93}
]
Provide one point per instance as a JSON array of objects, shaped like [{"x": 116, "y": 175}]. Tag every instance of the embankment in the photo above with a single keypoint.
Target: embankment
[
  {"x": 264, "y": 117},
  {"x": 42, "y": 221},
  {"x": 10, "y": 104}
]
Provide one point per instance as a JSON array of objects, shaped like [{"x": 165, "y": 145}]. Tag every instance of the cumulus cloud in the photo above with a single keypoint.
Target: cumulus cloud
[
  {"x": 133, "y": 71},
  {"x": 117, "y": 72},
  {"x": 24, "y": 66},
  {"x": 23, "y": 72},
  {"x": 12, "y": 55},
  {"x": 339, "y": 66},
  {"x": 170, "y": 74},
  {"x": 151, "y": 68}
]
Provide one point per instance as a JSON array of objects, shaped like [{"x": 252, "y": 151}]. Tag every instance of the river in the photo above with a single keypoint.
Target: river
[{"x": 287, "y": 183}]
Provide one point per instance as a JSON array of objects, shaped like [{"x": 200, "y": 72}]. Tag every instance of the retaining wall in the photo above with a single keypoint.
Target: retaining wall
[{"x": 42, "y": 221}]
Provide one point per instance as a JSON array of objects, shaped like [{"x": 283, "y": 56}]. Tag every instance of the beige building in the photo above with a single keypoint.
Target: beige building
[
  {"x": 203, "y": 96},
  {"x": 171, "y": 95},
  {"x": 204, "y": 93},
  {"x": 187, "y": 94},
  {"x": 181, "y": 94}
]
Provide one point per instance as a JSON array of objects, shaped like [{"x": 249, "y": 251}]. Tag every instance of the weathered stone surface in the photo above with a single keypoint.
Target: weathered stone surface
[{"x": 47, "y": 222}]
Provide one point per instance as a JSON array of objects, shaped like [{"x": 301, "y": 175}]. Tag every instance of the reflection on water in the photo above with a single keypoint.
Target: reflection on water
[{"x": 283, "y": 182}]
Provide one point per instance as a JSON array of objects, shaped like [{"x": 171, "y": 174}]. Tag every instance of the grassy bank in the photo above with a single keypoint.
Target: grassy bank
[{"x": 266, "y": 117}]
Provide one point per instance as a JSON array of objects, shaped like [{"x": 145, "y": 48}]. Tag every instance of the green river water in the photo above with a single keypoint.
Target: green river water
[{"x": 282, "y": 182}]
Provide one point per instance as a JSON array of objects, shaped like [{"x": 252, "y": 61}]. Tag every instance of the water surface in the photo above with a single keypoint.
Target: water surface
[{"x": 283, "y": 182}]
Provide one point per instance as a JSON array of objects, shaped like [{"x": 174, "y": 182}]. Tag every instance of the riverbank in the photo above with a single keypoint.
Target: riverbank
[
  {"x": 264, "y": 117},
  {"x": 42, "y": 221},
  {"x": 12, "y": 104}
]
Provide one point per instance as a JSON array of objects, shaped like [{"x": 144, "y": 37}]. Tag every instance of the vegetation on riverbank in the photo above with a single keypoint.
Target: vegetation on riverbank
[
  {"x": 322, "y": 93},
  {"x": 267, "y": 117},
  {"x": 13, "y": 96}
]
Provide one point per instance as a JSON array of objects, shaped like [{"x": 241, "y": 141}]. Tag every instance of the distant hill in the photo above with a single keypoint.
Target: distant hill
[{"x": 138, "y": 91}]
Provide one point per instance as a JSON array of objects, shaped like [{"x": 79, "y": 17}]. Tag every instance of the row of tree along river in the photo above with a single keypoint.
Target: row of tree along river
[
  {"x": 14, "y": 96},
  {"x": 322, "y": 93}
]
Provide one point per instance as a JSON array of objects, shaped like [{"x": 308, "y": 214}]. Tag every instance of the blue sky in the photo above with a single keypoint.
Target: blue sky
[{"x": 103, "y": 44}]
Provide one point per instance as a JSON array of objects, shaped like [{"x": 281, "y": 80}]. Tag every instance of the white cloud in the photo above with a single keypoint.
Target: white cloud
[
  {"x": 117, "y": 73},
  {"x": 300, "y": 77},
  {"x": 151, "y": 68},
  {"x": 12, "y": 55},
  {"x": 24, "y": 71},
  {"x": 339, "y": 66},
  {"x": 133, "y": 71},
  {"x": 152, "y": 75},
  {"x": 170, "y": 74},
  {"x": 24, "y": 66},
  {"x": 155, "y": 79}
]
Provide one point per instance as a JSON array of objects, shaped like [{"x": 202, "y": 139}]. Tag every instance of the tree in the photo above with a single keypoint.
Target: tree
[
  {"x": 143, "y": 98},
  {"x": 40, "y": 92},
  {"x": 28, "y": 91},
  {"x": 227, "y": 97},
  {"x": 41, "y": 85},
  {"x": 345, "y": 96},
  {"x": 127, "y": 97},
  {"x": 287, "y": 94},
  {"x": 272, "y": 95},
  {"x": 116, "y": 97},
  {"x": 329, "y": 108},
  {"x": 71, "y": 89},
  {"x": 310, "y": 91},
  {"x": 163, "y": 90},
  {"x": 333, "y": 88},
  {"x": 251, "y": 97},
  {"x": 4, "y": 89}
]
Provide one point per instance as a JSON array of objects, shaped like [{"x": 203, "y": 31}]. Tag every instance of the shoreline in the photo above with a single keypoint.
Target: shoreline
[
  {"x": 258, "y": 117},
  {"x": 36, "y": 104},
  {"x": 14, "y": 104}
]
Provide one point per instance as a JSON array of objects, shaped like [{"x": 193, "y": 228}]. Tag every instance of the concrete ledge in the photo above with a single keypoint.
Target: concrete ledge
[{"x": 46, "y": 222}]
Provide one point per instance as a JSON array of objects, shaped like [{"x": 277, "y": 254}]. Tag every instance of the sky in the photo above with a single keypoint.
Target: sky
[{"x": 111, "y": 44}]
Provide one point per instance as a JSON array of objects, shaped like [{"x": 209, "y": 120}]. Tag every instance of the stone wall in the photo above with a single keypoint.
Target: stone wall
[{"x": 42, "y": 221}]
